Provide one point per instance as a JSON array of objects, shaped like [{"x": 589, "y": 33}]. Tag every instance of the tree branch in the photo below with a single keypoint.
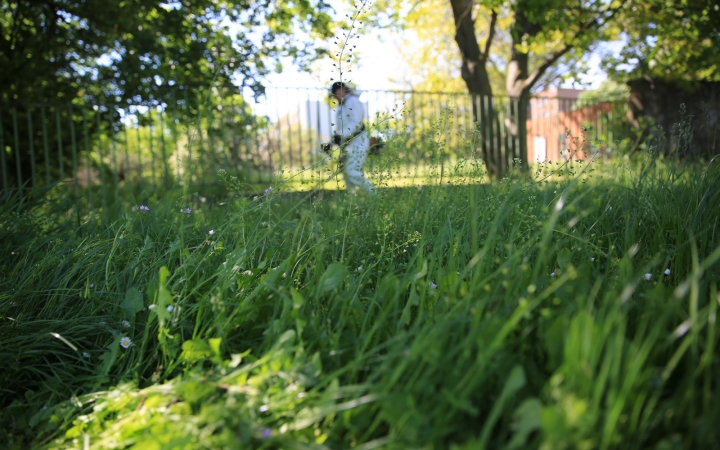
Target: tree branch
[
  {"x": 593, "y": 24},
  {"x": 491, "y": 34}
]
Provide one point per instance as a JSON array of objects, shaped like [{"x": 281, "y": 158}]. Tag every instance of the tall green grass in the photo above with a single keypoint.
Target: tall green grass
[{"x": 525, "y": 314}]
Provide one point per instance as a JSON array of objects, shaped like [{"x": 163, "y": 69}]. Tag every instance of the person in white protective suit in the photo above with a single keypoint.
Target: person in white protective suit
[{"x": 351, "y": 135}]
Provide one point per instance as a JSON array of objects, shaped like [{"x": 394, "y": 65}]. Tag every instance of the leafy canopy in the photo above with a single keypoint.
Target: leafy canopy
[
  {"x": 673, "y": 40},
  {"x": 137, "y": 50}
]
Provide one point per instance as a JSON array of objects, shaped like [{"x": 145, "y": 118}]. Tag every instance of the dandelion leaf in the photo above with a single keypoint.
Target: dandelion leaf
[
  {"x": 389, "y": 288},
  {"x": 332, "y": 278},
  {"x": 133, "y": 303},
  {"x": 108, "y": 358},
  {"x": 564, "y": 258},
  {"x": 525, "y": 420},
  {"x": 195, "y": 350}
]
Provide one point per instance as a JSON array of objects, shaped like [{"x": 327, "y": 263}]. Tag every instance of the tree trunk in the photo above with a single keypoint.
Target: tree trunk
[
  {"x": 518, "y": 86},
  {"x": 475, "y": 75}
]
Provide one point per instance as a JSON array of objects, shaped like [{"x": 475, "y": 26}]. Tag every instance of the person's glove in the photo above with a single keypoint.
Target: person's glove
[
  {"x": 326, "y": 148},
  {"x": 337, "y": 139}
]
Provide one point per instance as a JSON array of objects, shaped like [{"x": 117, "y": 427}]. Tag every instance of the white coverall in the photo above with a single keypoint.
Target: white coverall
[{"x": 349, "y": 120}]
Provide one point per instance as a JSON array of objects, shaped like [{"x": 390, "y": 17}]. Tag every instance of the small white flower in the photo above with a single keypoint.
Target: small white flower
[
  {"x": 247, "y": 272},
  {"x": 125, "y": 323},
  {"x": 592, "y": 259},
  {"x": 86, "y": 355},
  {"x": 433, "y": 285},
  {"x": 263, "y": 224},
  {"x": 552, "y": 275},
  {"x": 263, "y": 408},
  {"x": 359, "y": 269},
  {"x": 125, "y": 342},
  {"x": 170, "y": 308},
  {"x": 211, "y": 232},
  {"x": 667, "y": 271},
  {"x": 92, "y": 285},
  {"x": 648, "y": 276}
]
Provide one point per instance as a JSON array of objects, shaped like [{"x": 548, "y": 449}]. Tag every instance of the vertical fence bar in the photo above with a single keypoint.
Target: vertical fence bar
[
  {"x": 113, "y": 151},
  {"x": 318, "y": 112},
  {"x": 46, "y": 151},
  {"x": 228, "y": 124},
  {"x": 298, "y": 113},
  {"x": 557, "y": 131},
  {"x": 201, "y": 141},
  {"x": 73, "y": 141},
  {"x": 175, "y": 136},
  {"x": 151, "y": 136},
  {"x": 3, "y": 163},
  {"x": 211, "y": 140},
  {"x": 520, "y": 136},
  {"x": 489, "y": 151},
  {"x": 505, "y": 157},
  {"x": 256, "y": 132},
  {"x": 311, "y": 148},
  {"x": 278, "y": 133},
  {"x": 126, "y": 125},
  {"x": 31, "y": 144},
  {"x": 61, "y": 160},
  {"x": 139, "y": 147},
  {"x": 166, "y": 172},
  {"x": 290, "y": 134},
  {"x": 101, "y": 165},
  {"x": 247, "y": 127},
  {"x": 87, "y": 156},
  {"x": 188, "y": 132},
  {"x": 225, "y": 127},
  {"x": 17, "y": 147}
]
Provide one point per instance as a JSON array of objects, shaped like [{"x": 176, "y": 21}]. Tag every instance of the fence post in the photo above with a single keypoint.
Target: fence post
[
  {"x": 6, "y": 184},
  {"x": 166, "y": 174},
  {"x": 61, "y": 160},
  {"x": 101, "y": 165},
  {"x": 46, "y": 152},
  {"x": 31, "y": 143},
  {"x": 73, "y": 140},
  {"x": 17, "y": 147}
]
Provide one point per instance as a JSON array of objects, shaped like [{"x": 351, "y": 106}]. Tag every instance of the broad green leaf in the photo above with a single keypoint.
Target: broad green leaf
[
  {"x": 215, "y": 346},
  {"x": 564, "y": 258},
  {"x": 109, "y": 357},
  {"x": 525, "y": 421},
  {"x": 133, "y": 303},
  {"x": 298, "y": 299},
  {"x": 332, "y": 278},
  {"x": 448, "y": 281},
  {"x": 422, "y": 272},
  {"x": 389, "y": 288},
  {"x": 195, "y": 349}
]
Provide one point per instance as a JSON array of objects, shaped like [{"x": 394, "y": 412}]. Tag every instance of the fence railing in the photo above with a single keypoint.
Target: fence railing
[{"x": 190, "y": 139}]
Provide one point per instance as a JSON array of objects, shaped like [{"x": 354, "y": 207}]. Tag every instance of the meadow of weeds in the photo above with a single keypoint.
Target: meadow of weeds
[{"x": 573, "y": 311}]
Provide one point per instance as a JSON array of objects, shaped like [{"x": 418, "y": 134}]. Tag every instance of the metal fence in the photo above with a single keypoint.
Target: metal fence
[{"x": 191, "y": 139}]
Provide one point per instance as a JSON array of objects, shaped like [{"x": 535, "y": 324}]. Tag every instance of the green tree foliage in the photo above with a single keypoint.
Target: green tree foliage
[
  {"x": 137, "y": 50},
  {"x": 120, "y": 52},
  {"x": 531, "y": 39},
  {"x": 673, "y": 40},
  {"x": 608, "y": 90}
]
